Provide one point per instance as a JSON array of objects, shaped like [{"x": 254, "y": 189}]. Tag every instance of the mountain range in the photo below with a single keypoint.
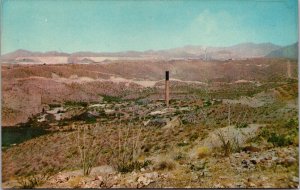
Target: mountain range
[
  {"x": 290, "y": 51},
  {"x": 239, "y": 51}
]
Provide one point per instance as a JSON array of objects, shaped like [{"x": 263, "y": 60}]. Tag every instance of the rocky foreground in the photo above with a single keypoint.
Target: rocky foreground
[
  {"x": 272, "y": 168},
  {"x": 171, "y": 154}
]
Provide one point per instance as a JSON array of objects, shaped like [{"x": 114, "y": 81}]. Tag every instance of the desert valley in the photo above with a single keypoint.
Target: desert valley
[{"x": 99, "y": 120}]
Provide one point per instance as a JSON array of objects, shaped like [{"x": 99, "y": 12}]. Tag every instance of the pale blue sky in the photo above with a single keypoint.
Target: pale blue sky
[{"x": 120, "y": 25}]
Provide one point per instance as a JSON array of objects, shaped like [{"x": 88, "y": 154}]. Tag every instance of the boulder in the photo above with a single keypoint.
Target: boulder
[
  {"x": 236, "y": 137},
  {"x": 144, "y": 181},
  {"x": 152, "y": 175},
  {"x": 232, "y": 134},
  {"x": 289, "y": 160}
]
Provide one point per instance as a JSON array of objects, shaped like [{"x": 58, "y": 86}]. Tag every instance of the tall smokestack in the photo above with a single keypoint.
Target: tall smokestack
[
  {"x": 167, "y": 89},
  {"x": 289, "y": 70}
]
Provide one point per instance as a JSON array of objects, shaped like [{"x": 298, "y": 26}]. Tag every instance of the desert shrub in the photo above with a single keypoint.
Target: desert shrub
[
  {"x": 110, "y": 99},
  {"x": 125, "y": 159},
  {"x": 62, "y": 123},
  {"x": 147, "y": 147},
  {"x": 32, "y": 122},
  {"x": 279, "y": 140},
  {"x": 203, "y": 152},
  {"x": 87, "y": 148},
  {"x": 291, "y": 123},
  {"x": 179, "y": 156},
  {"x": 228, "y": 146},
  {"x": 194, "y": 136},
  {"x": 76, "y": 104},
  {"x": 182, "y": 144},
  {"x": 90, "y": 120},
  {"x": 198, "y": 166},
  {"x": 264, "y": 133},
  {"x": 296, "y": 140},
  {"x": 165, "y": 165},
  {"x": 131, "y": 166},
  {"x": 31, "y": 181},
  {"x": 241, "y": 125},
  {"x": 207, "y": 103},
  {"x": 185, "y": 122},
  {"x": 177, "y": 112},
  {"x": 157, "y": 147},
  {"x": 54, "y": 106}
]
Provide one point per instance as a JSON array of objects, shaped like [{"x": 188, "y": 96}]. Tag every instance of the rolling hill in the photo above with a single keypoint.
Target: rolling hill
[{"x": 290, "y": 52}]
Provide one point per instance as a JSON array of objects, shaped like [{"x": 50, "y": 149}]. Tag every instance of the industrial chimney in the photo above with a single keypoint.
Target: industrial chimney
[
  {"x": 289, "y": 70},
  {"x": 167, "y": 89}
]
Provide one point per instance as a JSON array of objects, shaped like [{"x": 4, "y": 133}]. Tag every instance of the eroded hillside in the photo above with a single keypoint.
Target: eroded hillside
[{"x": 27, "y": 89}]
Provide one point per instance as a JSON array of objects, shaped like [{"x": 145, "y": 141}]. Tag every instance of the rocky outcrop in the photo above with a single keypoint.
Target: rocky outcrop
[
  {"x": 231, "y": 134},
  {"x": 102, "y": 177}
]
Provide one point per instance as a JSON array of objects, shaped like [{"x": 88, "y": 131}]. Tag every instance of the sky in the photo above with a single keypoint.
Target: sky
[{"x": 122, "y": 25}]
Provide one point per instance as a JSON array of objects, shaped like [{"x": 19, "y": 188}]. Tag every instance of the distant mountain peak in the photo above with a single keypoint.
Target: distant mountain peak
[
  {"x": 238, "y": 51},
  {"x": 290, "y": 51}
]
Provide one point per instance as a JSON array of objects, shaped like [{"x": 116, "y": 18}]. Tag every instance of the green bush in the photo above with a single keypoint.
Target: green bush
[
  {"x": 279, "y": 140},
  {"x": 207, "y": 103},
  {"x": 292, "y": 123},
  {"x": 265, "y": 133},
  {"x": 76, "y": 104},
  {"x": 110, "y": 99},
  {"x": 90, "y": 120},
  {"x": 54, "y": 106},
  {"x": 32, "y": 122},
  {"x": 184, "y": 122}
]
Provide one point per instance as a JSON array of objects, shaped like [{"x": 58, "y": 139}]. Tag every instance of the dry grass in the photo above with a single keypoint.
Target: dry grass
[
  {"x": 165, "y": 164},
  {"x": 228, "y": 145},
  {"x": 31, "y": 181},
  {"x": 203, "y": 152}
]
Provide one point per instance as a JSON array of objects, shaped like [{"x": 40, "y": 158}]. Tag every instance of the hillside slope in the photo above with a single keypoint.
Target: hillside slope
[{"x": 290, "y": 52}]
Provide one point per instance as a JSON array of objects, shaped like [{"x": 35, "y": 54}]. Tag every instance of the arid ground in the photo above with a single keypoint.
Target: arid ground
[{"x": 230, "y": 123}]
